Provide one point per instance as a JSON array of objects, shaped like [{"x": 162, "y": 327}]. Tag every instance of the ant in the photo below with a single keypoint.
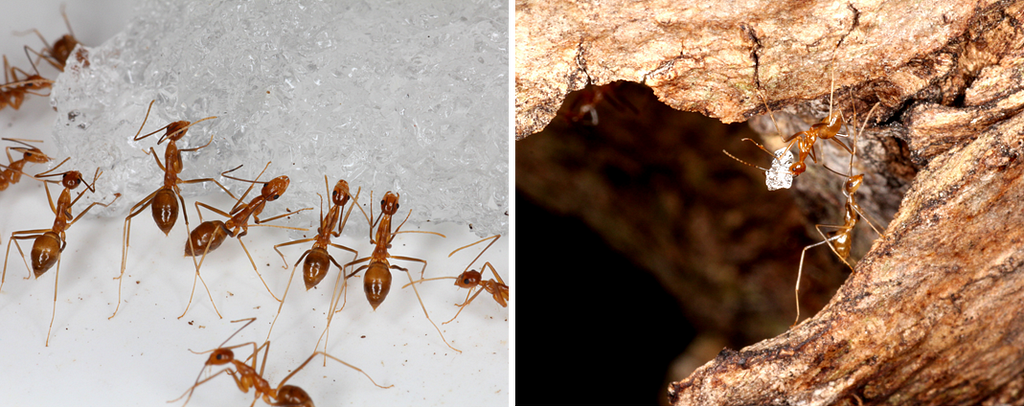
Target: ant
[
  {"x": 162, "y": 201},
  {"x": 12, "y": 93},
  {"x": 13, "y": 171},
  {"x": 49, "y": 243},
  {"x": 840, "y": 239},
  {"x": 827, "y": 129},
  {"x": 246, "y": 377},
  {"x": 209, "y": 235},
  {"x": 318, "y": 260},
  {"x": 584, "y": 108},
  {"x": 377, "y": 280},
  {"x": 58, "y": 54},
  {"x": 472, "y": 279}
]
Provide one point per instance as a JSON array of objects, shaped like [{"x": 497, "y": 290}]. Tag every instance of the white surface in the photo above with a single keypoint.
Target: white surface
[{"x": 141, "y": 357}]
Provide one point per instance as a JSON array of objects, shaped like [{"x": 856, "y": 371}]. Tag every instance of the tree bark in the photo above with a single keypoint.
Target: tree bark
[{"x": 932, "y": 314}]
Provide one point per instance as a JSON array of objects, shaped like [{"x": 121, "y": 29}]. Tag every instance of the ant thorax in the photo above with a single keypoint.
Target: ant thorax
[{"x": 779, "y": 176}]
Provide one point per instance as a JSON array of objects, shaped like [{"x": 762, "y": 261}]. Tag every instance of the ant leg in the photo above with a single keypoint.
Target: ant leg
[
  {"x": 215, "y": 210},
  {"x": 495, "y": 239},
  {"x": 770, "y": 115},
  {"x": 288, "y": 244},
  {"x": 251, "y": 261},
  {"x": 53, "y": 314},
  {"x": 257, "y": 220},
  {"x": 418, "y": 298},
  {"x": 87, "y": 208},
  {"x": 188, "y": 240},
  {"x": 125, "y": 235},
  {"x": 346, "y": 248},
  {"x": 335, "y": 293},
  {"x": 29, "y": 234},
  {"x": 844, "y": 231},
  {"x": 355, "y": 203},
  {"x": 285, "y": 295},
  {"x": 464, "y": 304},
  {"x": 867, "y": 219},
  {"x": 799, "y": 274},
  {"x": 332, "y": 357},
  {"x": 198, "y": 276}
]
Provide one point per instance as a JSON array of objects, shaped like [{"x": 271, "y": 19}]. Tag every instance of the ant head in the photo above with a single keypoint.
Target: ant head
[
  {"x": 36, "y": 82},
  {"x": 33, "y": 155},
  {"x": 389, "y": 204},
  {"x": 797, "y": 168},
  {"x": 852, "y": 183},
  {"x": 275, "y": 188},
  {"x": 62, "y": 48},
  {"x": 175, "y": 131},
  {"x": 221, "y": 356},
  {"x": 340, "y": 194},
  {"x": 468, "y": 279},
  {"x": 71, "y": 179}
]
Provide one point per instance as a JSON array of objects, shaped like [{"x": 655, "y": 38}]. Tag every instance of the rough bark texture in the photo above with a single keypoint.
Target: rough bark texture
[
  {"x": 932, "y": 314},
  {"x": 711, "y": 57}
]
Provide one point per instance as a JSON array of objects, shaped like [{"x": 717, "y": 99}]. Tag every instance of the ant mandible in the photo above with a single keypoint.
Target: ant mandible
[
  {"x": 49, "y": 243},
  {"x": 247, "y": 377},
  {"x": 164, "y": 201}
]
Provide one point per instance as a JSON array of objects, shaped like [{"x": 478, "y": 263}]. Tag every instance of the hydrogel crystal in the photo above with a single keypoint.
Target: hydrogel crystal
[{"x": 408, "y": 97}]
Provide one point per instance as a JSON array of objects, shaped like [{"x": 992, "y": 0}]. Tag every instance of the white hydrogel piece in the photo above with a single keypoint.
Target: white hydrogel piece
[
  {"x": 779, "y": 176},
  {"x": 411, "y": 98}
]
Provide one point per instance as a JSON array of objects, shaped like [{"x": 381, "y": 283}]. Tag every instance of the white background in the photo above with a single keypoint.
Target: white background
[{"x": 141, "y": 357}]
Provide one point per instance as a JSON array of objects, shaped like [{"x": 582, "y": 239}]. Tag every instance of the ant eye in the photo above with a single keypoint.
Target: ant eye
[
  {"x": 465, "y": 281},
  {"x": 277, "y": 196}
]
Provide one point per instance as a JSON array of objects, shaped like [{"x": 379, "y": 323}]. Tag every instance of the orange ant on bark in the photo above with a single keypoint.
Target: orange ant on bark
[
  {"x": 209, "y": 235},
  {"x": 583, "y": 108},
  {"x": 827, "y": 129},
  {"x": 317, "y": 260},
  {"x": 246, "y": 377},
  {"x": 473, "y": 279},
  {"x": 840, "y": 239},
  {"x": 12, "y": 93},
  {"x": 377, "y": 280},
  {"x": 13, "y": 170},
  {"x": 164, "y": 201},
  {"x": 49, "y": 243},
  {"x": 58, "y": 54}
]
